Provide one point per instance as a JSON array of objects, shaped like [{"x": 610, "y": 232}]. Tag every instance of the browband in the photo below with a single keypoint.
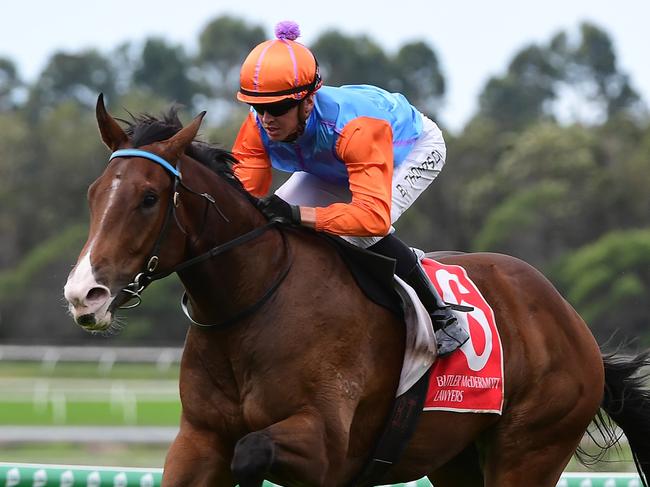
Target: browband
[{"x": 147, "y": 155}]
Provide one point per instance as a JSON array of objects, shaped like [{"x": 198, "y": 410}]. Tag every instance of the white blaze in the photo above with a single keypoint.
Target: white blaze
[{"x": 82, "y": 279}]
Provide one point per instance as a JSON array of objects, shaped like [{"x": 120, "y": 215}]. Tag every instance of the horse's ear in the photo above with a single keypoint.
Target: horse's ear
[
  {"x": 175, "y": 145},
  {"x": 112, "y": 134}
]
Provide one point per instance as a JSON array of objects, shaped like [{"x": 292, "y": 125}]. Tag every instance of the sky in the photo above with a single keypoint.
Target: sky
[{"x": 473, "y": 39}]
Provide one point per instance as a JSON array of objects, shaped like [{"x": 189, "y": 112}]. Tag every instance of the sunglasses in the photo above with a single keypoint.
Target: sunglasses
[{"x": 276, "y": 109}]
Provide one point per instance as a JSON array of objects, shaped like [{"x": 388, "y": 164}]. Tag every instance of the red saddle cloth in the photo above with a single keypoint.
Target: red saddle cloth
[{"x": 469, "y": 379}]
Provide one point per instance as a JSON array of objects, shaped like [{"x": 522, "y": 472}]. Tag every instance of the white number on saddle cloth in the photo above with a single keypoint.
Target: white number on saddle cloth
[{"x": 474, "y": 361}]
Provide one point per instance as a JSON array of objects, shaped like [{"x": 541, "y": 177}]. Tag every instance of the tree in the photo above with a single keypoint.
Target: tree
[
  {"x": 72, "y": 77},
  {"x": 572, "y": 81},
  {"x": 223, "y": 45},
  {"x": 522, "y": 95},
  {"x": 352, "y": 60},
  {"x": 608, "y": 281},
  {"x": 164, "y": 69},
  {"x": 16, "y": 161},
  {"x": 541, "y": 197},
  {"x": 623, "y": 148},
  {"x": 413, "y": 71},
  {"x": 49, "y": 168},
  {"x": 419, "y": 77},
  {"x": 591, "y": 66},
  {"x": 9, "y": 83}
]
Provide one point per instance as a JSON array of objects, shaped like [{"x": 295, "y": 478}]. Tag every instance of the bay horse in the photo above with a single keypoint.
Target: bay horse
[{"x": 295, "y": 376}]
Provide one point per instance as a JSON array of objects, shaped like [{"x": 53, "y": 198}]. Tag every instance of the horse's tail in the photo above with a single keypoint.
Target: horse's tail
[{"x": 627, "y": 402}]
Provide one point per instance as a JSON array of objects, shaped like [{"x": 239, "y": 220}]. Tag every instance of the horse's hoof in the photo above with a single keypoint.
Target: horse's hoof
[{"x": 253, "y": 457}]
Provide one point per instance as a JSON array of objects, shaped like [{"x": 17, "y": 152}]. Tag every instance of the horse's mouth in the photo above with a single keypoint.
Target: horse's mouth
[
  {"x": 89, "y": 323},
  {"x": 102, "y": 320}
]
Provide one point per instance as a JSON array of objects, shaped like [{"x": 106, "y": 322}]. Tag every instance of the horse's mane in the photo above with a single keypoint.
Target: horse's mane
[{"x": 145, "y": 129}]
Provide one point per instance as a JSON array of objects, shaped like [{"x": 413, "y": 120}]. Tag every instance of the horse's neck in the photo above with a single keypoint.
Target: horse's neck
[{"x": 220, "y": 287}]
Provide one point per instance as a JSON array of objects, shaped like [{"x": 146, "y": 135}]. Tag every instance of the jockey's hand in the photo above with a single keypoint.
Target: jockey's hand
[{"x": 274, "y": 207}]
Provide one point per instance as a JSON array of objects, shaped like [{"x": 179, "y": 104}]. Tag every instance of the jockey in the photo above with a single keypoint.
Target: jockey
[{"x": 360, "y": 156}]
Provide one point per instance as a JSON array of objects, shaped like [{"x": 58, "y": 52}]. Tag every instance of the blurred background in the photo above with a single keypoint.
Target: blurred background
[{"x": 548, "y": 132}]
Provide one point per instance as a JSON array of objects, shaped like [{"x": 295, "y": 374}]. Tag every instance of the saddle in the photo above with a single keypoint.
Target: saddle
[{"x": 373, "y": 273}]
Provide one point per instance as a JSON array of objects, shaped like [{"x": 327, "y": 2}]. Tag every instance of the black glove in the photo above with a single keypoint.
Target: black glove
[{"x": 274, "y": 207}]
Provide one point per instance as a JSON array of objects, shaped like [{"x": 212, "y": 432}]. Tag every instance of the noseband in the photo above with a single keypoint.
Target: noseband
[{"x": 148, "y": 275}]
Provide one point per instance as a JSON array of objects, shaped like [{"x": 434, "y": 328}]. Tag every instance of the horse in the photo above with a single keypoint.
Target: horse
[{"x": 290, "y": 371}]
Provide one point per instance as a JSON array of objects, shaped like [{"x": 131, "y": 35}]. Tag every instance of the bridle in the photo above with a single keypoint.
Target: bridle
[{"x": 134, "y": 289}]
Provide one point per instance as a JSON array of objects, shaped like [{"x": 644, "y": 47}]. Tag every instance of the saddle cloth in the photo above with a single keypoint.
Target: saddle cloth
[{"x": 469, "y": 379}]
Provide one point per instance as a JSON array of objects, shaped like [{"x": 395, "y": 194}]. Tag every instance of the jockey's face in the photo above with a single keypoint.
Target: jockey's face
[{"x": 281, "y": 126}]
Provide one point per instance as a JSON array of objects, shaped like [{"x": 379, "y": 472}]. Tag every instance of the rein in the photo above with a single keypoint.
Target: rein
[{"x": 148, "y": 275}]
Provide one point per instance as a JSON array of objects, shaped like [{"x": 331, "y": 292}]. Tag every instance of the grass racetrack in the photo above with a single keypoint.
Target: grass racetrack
[
  {"x": 73, "y": 394},
  {"x": 132, "y": 395},
  {"x": 88, "y": 394}
]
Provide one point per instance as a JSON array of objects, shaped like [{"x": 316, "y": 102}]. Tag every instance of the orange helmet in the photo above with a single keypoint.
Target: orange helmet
[{"x": 278, "y": 69}]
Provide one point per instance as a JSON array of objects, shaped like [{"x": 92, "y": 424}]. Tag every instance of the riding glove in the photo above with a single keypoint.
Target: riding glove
[{"x": 274, "y": 207}]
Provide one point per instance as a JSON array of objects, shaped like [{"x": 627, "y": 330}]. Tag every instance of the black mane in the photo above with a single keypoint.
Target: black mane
[{"x": 145, "y": 129}]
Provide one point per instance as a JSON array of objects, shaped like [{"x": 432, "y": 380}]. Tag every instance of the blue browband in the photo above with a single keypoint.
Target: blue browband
[{"x": 147, "y": 155}]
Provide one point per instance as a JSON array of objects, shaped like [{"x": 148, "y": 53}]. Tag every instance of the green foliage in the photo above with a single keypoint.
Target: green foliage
[
  {"x": 163, "y": 69},
  {"x": 521, "y": 96},
  {"x": 16, "y": 280},
  {"x": 9, "y": 82},
  {"x": 537, "y": 200},
  {"x": 542, "y": 81},
  {"x": 351, "y": 60},
  {"x": 414, "y": 70},
  {"x": 419, "y": 76},
  {"x": 525, "y": 215},
  {"x": 608, "y": 281},
  {"x": 594, "y": 58},
  {"x": 74, "y": 77},
  {"x": 226, "y": 41}
]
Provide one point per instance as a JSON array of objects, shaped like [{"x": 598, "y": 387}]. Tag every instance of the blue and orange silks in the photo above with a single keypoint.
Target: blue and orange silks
[{"x": 355, "y": 137}]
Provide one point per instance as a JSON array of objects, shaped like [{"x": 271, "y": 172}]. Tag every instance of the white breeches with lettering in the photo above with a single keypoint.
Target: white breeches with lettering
[{"x": 416, "y": 172}]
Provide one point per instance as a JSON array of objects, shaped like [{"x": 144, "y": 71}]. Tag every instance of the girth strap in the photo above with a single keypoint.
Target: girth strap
[{"x": 399, "y": 429}]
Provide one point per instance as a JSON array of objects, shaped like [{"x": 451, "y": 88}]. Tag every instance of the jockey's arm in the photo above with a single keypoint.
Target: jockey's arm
[
  {"x": 253, "y": 168},
  {"x": 366, "y": 147}
]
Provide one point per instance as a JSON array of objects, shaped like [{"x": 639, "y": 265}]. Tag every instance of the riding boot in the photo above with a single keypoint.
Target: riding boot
[{"x": 449, "y": 333}]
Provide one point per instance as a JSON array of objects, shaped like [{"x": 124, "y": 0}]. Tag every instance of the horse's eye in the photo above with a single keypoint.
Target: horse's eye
[{"x": 149, "y": 200}]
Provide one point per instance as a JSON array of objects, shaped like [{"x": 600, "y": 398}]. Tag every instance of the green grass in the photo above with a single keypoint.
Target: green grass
[
  {"x": 79, "y": 413},
  {"x": 87, "y": 371},
  {"x": 99, "y": 454},
  {"x": 79, "y": 394}
]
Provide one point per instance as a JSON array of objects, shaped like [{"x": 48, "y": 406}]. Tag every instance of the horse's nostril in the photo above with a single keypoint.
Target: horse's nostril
[{"x": 97, "y": 294}]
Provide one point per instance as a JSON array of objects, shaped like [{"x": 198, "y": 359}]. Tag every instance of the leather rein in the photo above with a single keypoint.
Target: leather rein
[{"x": 135, "y": 288}]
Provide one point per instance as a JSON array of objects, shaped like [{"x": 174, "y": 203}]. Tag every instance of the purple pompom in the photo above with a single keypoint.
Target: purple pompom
[{"x": 287, "y": 29}]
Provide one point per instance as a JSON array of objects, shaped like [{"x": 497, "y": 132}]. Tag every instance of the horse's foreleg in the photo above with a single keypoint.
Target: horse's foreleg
[
  {"x": 294, "y": 448},
  {"x": 463, "y": 470},
  {"x": 194, "y": 458}
]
